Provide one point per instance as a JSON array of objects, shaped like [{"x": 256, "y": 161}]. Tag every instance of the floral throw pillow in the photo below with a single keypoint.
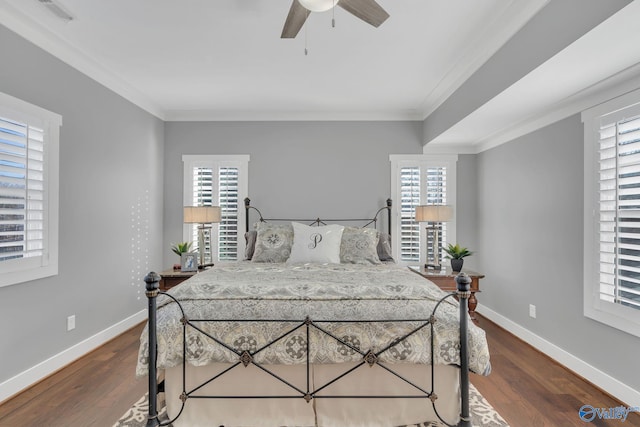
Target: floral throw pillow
[
  {"x": 359, "y": 246},
  {"x": 273, "y": 243}
]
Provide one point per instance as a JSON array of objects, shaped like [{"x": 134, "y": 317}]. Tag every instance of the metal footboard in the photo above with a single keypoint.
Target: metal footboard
[{"x": 369, "y": 358}]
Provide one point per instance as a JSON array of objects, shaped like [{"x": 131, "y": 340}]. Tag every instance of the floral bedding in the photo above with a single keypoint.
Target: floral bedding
[{"x": 266, "y": 292}]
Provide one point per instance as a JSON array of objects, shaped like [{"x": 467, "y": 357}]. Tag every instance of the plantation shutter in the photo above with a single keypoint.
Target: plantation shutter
[
  {"x": 217, "y": 180},
  {"x": 203, "y": 196},
  {"x": 229, "y": 201},
  {"x": 436, "y": 194},
  {"x": 417, "y": 180},
  {"x": 619, "y": 209},
  {"x": 22, "y": 208},
  {"x": 409, "y": 228}
]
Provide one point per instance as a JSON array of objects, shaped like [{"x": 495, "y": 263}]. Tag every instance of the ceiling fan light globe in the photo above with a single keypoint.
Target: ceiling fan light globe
[{"x": 318, "y": 5}]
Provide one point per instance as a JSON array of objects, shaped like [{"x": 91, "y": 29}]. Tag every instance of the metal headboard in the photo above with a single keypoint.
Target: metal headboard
[{"x": 318, "y": 221}]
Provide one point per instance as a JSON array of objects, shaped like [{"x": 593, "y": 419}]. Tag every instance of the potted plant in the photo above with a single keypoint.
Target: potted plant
[
  {"x": 179, "y": 249},
  {"x": 456, "y": 253}
]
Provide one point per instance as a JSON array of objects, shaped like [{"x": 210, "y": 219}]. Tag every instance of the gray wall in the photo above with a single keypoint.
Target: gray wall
[
  {"x": 111, "y": 159},
  {"x": 297, "y": 169},
  {"x": 467, "y": 208},
  {"x": 530, "y": 210}
]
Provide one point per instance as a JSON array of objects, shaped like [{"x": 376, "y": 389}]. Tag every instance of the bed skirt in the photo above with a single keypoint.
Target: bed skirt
[{"x": 320, "y": 412}]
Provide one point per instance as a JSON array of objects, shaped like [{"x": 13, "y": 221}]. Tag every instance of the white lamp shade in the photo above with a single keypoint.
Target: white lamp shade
[
  {"x": 318, "y": 5},
  {"x": 201, "y": 214},
  {"x": 434, "y": 213}
]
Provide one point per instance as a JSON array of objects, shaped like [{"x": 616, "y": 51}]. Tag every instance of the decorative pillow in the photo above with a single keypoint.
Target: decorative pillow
[
  {"x": 384, "y": 247},
  {"x": 250, "y": 239},
  {"x": 273, "y": 243},
  {"x": 316, "y": 244},
  {"x": 359, "y": 246}
]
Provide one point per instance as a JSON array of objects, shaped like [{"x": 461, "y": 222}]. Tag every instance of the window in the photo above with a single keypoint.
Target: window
[
  {"x": 420, "y": 180},
  {"x": 612, "y": 213},
  {"x": 28, "y": 191},
  {"x": 218, "y": 181}
]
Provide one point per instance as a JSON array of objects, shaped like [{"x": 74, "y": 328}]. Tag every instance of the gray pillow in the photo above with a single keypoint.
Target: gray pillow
[
  {"x": 273, "y": 243},
  {"x": 358, "y": 246},
  {"x": 250, "y": 239},
  {"x": 384, "y": 247}
]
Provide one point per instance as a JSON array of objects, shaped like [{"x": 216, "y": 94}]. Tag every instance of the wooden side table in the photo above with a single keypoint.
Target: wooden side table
[
  {"x": 171, "y": 278},
  {"x": 445, "y": 279}
]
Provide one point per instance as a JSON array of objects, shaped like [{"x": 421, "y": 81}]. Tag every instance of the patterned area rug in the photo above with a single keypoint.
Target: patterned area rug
[{"x": 482, "y": 413}]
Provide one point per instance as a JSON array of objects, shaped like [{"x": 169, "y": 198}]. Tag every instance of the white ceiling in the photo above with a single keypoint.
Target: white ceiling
[{"x": 224, "y": 59}]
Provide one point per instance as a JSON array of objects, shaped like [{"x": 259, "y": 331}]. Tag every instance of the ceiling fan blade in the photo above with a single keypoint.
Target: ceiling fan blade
[
  {"x": 295, "y": 20},
  {"x": 367, "y": 10}
]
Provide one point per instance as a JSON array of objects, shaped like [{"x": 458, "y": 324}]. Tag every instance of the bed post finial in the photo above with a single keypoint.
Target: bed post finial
[
  {"x": 152, "y": 279},
  {"x": 463, "y": 282},
  {"x": 247, "y": 205}
]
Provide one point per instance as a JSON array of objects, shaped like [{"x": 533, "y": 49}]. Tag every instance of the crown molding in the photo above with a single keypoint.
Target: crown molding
[
  {"x": 450, "y": 148},
  {"x": 300, "y": 115},
  {"x": 515, "y": 15},
  {"x": 617, "y": 85},
  {"x": 514, "y": 18},
  {"x": 25, "y": 27}
]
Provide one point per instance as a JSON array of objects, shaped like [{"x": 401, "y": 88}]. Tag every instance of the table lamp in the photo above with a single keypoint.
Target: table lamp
[
  {"x": 202, "y": 215},
  {"x": 436, "y": 214}
]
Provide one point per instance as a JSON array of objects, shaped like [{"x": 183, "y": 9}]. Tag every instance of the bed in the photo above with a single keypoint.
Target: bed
[{"x": 310, "y": 343}]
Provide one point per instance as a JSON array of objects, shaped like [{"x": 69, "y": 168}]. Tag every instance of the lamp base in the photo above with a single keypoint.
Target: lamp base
[{"x": 433, "y": 266}]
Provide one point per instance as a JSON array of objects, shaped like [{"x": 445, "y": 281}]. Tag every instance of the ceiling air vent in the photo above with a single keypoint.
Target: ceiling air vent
[{"x": 57, "y": 10}]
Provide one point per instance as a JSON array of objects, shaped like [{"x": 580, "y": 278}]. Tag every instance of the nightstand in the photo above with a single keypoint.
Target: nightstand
[
  {"x": 171, "y": 278},
  {"x": 445, "y": 279}
]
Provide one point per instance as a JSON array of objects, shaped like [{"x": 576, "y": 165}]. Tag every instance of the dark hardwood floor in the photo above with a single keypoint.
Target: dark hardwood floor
[
  {"x": 526, "y": 388},
  {"x": 93, "y": 391},
  {"x": 529, "y": 389}
]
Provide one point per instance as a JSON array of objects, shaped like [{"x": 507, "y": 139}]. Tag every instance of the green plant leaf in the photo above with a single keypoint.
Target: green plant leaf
[
  {"x": 181, "y": 248},
  {"x": 456, "y": 251}
]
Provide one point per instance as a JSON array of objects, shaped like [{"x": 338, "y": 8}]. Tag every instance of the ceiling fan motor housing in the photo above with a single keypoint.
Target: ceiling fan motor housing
[{"x": 318, "y": 5}]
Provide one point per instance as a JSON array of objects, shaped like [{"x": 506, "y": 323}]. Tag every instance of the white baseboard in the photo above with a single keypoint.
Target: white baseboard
[
  {"x": 614, "y": 387},
  {"x": 14, "y": 385}
]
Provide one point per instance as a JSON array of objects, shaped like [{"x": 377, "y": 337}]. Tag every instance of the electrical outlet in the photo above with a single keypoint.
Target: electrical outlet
[
  {"x": 532, "y": 311},
  {"x": 71, "y": 322}
]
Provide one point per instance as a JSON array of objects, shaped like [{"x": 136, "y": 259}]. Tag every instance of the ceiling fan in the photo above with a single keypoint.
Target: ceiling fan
[{"x": 367, "y": 10}]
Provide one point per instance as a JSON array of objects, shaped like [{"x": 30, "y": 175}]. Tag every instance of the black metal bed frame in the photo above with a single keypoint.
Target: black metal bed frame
[
  {"x": 318, "y": 221},
  {"x": 246, "y": 357}
]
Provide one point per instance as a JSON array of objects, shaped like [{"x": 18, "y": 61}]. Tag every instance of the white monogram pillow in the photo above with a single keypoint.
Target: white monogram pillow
[{"x": 316, "y": 244}]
